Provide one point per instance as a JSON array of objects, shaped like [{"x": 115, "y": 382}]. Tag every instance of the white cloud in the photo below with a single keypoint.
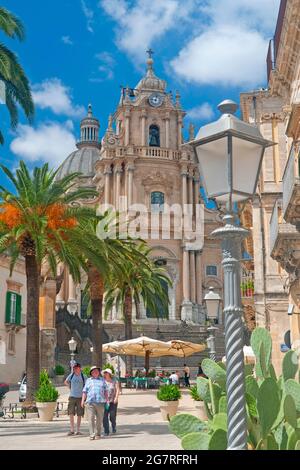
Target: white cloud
[
  {"x": 106, "y": 67},
  {"x": 224, "y": 56},
  {"x": 50, "y": 142},
  {"x": 231, "y": 50},
  {"x": 67, "y": 40},
  {"x": 142, "y": 22},
  {"x": 203, "y": 112},
  {"x": 229, "y": 43},
  {"x": 53, "y": 94},
  {"x": 89, "y": 15}
]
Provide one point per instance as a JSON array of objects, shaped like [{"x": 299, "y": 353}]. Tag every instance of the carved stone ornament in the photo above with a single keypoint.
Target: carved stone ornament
[{"x": 158, "y": 178}]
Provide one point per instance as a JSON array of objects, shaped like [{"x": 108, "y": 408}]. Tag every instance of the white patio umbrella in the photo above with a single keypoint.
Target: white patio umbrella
[{"x": 181, "y": 348}]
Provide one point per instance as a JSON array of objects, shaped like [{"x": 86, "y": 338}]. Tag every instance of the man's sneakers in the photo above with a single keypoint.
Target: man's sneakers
[{"x": 70, "y": 433}]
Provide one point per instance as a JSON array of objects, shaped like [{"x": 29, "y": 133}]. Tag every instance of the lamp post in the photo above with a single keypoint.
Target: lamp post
[
  {"x": 230, "y": 152},
  {"x": 72, "y": 347},
  {"x": 212, "y": 301}
]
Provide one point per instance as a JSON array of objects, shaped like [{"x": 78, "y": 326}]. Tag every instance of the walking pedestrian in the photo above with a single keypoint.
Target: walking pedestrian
[
  {"x": 95, "y": 395},
  {"x": 186, "y": 371},
  {"x": 75, "y": 381},
  {"x": 110, "y": 411}
]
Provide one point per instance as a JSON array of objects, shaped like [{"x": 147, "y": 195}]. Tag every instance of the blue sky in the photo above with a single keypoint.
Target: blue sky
[{"x": 81, "y": 51}]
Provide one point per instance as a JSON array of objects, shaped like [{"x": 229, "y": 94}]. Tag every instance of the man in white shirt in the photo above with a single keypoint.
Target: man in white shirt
[{"x": 173, "y": 379}]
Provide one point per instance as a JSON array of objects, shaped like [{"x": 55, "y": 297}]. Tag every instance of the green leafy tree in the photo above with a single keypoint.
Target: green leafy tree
[{"x": 17, "y": 88}]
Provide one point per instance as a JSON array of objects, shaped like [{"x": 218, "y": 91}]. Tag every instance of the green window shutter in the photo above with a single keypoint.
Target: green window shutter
[
  {"x": 18, "y": 309},
  {"x": 7, "y": 307}
]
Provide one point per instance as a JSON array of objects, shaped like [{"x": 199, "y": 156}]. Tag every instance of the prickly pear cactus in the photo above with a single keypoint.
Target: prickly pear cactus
[{"x": 272, "y": 404}]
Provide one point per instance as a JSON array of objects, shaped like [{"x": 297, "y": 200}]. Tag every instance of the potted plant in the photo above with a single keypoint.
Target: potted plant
[
  {"x": 60, "y": 373},
  {"x": 199, "y": 403},
  {"x": 46, "y": 398},
  {"x": 169, "y": 396}
]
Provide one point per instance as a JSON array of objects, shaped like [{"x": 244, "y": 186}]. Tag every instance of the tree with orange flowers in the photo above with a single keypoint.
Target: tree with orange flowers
[{"x": 39, "y": 222}]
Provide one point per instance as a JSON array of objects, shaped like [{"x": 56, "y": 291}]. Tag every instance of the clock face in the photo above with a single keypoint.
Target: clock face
[{"x": 156, "y": 100}]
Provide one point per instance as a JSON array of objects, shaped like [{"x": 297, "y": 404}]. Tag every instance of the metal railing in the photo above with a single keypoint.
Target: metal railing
[{"x": 247, "y": 284}]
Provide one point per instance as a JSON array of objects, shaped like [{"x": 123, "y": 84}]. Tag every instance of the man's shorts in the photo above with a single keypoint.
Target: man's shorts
[{"x": 74, "y": 407}]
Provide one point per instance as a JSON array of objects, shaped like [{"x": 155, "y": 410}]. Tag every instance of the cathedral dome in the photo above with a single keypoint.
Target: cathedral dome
[
  {"x": 84, "y": 159},
  {"x": 151, "y": 82}
]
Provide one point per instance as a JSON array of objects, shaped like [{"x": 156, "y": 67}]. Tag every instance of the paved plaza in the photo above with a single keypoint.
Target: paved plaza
[{"x": 139, "y": 426}]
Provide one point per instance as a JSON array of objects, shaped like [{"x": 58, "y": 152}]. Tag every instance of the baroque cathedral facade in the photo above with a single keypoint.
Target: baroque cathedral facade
[{"x": 143, "y": 163}]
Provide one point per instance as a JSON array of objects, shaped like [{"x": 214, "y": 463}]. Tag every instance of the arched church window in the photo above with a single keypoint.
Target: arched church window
[
  {"x": 157, "y": 201},
  {"x": 154, "y": 136}
]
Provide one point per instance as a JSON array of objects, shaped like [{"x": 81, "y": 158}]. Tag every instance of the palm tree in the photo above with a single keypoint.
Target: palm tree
[
  {"x": 112, "y": 257},
  {"x": 17, "y": 88},
  {"x": 142, "y": 280},
  {"x": 37, "y": 222}
]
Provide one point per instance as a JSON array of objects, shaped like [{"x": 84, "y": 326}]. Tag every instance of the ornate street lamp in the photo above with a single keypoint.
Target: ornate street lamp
[
  {"x": 72, "y": 347},
  {"x": 230, "y": 152},
  {"x": 212, "y": 301}
]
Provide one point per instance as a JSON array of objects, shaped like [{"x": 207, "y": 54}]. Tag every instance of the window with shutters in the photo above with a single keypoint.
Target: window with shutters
[{"x": 13, "y": 308}]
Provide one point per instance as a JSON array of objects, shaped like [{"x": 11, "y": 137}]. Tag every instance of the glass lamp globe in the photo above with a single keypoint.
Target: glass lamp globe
[
  {"x": 212, "y": 301},
  {"x": 72, "y": 344},
  {"x": 230, "y": 152}
]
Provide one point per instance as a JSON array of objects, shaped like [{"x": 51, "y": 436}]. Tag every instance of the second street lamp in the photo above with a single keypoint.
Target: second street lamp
[
  {"x": 72, "y": 347},
  {"x": 212, "y": 301},
  {"x": 230, "y": 152}
]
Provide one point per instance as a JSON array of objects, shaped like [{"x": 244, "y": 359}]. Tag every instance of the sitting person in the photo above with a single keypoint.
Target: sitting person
[{"x": 174, "y": 379}]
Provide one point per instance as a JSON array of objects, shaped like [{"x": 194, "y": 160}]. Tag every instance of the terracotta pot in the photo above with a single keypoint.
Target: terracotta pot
[
  {"x": 201, "y": 411},
  {"x": 46, "y": 410},
  {"x": 168, "y": 409}
]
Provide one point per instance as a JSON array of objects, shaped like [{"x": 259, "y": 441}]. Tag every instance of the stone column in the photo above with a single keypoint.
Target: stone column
[
  {"x": 117, "y": 171},
  {"x": 107, "y": 173},
  {"x": 184, "y": 187},
  {"x": 185, "y": 275},
  {"x": 72, "y": 301},
  {"x": 143, "y": 127},
  {"x": 196, "y": 188},
  {"x": 47, "y": 315},
  {"x": 60, "y": 298},
  {"x": 130, "y": 170},
  {"x": 179, "y": 131},
  {"x": 192, "y": 277},
  {"x": 199, "y": 277},
  {"x": 127, "y": 127},
  {"x": 167, "y": 121},
  {"x": 191, "y": 190}
]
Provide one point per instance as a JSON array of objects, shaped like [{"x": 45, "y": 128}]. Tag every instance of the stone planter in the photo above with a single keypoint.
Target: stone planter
[
  {"x": 168, "y": 409},
  {"x": 201, "y": 411},
  {"x": 46, "y": 410},
  {"x": 59, "y": 379}
]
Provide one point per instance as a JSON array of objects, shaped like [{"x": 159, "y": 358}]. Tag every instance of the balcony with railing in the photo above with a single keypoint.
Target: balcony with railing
[
  {"x": 247, "y": 285},
  {"x": 281, "y": 233},
  {"x": 144, "y": 152},
  {"x": 291, "y": 189}
]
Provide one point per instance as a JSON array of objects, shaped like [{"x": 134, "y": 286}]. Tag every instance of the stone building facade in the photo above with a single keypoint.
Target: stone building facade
[
  {"x": 273, "y": 215},
  {"x": 141, "y": 166},
  {"x": 12, "y": 321}
]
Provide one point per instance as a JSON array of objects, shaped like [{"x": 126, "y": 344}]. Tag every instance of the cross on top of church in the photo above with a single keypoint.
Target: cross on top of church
[{"x": 150, "y": 52}]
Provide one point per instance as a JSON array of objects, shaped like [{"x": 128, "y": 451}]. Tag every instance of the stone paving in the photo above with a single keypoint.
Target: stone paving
[{"x": 139, "y": 426}]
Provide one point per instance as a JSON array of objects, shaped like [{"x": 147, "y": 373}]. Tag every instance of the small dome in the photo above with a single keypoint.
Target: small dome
[
  {"x": 151, "y": 82},
  {"x": 82, "y": 160}
]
